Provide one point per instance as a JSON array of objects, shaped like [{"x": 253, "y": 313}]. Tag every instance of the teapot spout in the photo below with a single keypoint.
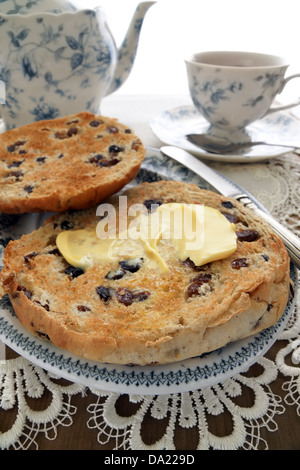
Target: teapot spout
[{"x": 127, "y": 51}]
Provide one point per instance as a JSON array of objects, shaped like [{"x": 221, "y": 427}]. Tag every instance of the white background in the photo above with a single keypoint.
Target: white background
[{"x": 173, "y": 29}]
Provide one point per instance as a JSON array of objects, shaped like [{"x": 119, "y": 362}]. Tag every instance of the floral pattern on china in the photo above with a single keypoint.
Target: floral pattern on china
[
  {"x": 233, "y": 89},
  {"x": 56, "y": 60}
]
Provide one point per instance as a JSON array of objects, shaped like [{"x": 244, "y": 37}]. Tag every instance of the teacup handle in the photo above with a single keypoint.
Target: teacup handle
[{"x": 286, "y": 106}]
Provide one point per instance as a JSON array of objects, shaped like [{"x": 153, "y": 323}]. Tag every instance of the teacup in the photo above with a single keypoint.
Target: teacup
[{"x": 233, "y": 89}]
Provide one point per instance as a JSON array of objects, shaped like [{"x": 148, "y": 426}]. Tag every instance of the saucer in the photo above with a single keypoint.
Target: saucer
[{"x": 171, "y": 127}]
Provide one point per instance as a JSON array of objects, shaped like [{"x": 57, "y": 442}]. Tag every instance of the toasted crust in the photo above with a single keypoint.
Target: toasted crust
[
  {"x": 168, "y": 324},
  {"x": 67, "y": 163}
]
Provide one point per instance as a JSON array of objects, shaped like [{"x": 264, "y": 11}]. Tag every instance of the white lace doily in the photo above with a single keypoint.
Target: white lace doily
[{"x": 276, "y": 185}]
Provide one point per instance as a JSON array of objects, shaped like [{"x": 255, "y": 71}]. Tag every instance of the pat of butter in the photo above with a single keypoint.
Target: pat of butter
[{"x": 197, "y": 232}]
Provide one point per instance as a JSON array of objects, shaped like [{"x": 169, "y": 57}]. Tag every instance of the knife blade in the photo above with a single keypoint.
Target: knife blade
[{"x": 228, "y": 189}]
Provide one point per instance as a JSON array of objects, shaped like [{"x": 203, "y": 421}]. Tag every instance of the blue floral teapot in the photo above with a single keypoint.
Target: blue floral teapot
[{"x": 56, "y": 60}]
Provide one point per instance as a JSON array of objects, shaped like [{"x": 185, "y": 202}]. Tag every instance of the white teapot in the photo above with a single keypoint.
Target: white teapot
[{"x": 56, "y": 60}]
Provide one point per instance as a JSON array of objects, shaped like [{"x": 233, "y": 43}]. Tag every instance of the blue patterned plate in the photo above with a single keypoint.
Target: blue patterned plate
[
  {"x": 187, "y": 375},
  {"x": 171, "y": 127}
]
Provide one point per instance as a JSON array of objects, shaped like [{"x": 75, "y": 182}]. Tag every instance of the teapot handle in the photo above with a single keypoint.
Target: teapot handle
[
  {"x": 128, "y": 49},
  {"x": 286, "y": 106}
]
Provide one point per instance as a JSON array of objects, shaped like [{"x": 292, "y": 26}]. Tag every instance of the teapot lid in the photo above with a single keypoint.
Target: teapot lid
[{"x": 27, "y": 7}]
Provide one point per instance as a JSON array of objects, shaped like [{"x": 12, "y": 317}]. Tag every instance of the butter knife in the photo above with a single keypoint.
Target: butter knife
[{"x": 228, "y": 189}]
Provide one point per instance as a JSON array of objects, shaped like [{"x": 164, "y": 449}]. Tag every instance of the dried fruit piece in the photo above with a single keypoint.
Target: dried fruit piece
[
  {"x": 105, "y": 293},
  {"x": 112, "y": 130},
  {"x": 22, "y": 289},
  {"x": 28, "y": 257},
  {"x": 55, "y": 251},
  {"x": 193, "y": 288},
  {"x": 29, "y": 188},
  {"x": 66, "y": 225},
  {"x": 66, "y": 135},
  {"x": 83, "y": 308},
  {"x": 135, "y": 145},
  {"x": 15, "y": 164},
  {"x": 73, "y": 272},
  {"x": 72, "y": 131},
  {"x": 114, "y": 275},
  {"x": 115, "y": 149},
  {"x": 61, "y": 135},
  {"x": 45, "y": 306},
  {"x": 96, "y": 158},
  {"x": 132, "y": 265},
  {"x": 140, "y": 296},
  {"x": 110, "y": 162},
  {"x": 125, "y": 296},
  {"x": 247, "y": 235},
  {"x": 190, "y": 264},
  {"x": 96, "y": 123},
  {"x": 152, "y": 204},
  {"x": 13, "y": 147},
  {"x": 228, "y": 204},
  {"x": 239, "y": 263},
  {"x": 202, "y": 277},
  {"x": 233, "y": 218},
  {"x": 16, "y": 174}
]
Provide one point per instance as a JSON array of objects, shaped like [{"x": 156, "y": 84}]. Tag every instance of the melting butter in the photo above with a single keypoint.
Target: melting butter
[{"x": 195, "y": 231}]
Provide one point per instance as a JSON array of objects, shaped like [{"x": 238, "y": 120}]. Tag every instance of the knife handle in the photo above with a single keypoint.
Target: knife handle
[{"x": 290, "y": 240}]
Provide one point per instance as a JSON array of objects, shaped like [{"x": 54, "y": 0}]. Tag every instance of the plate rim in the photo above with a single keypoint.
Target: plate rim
[{"x": 133, "y": 379}]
